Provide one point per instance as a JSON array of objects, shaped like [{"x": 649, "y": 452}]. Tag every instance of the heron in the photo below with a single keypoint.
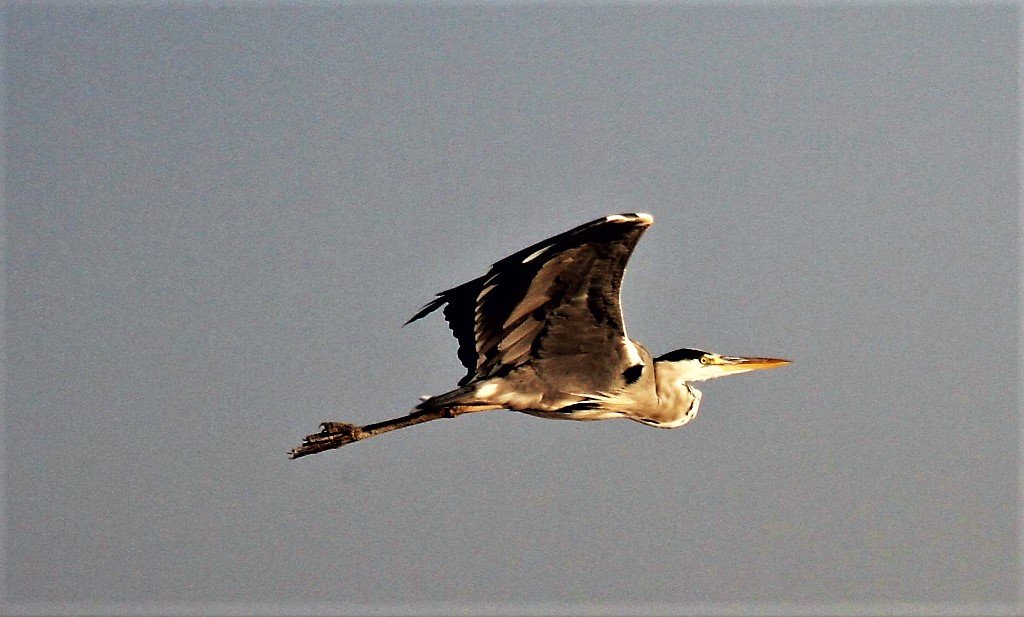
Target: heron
[{"x": 542, "y": 333}]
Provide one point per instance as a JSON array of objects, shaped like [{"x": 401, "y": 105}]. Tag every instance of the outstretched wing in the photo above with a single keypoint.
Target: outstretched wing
[{"x": 557, "y": 300}]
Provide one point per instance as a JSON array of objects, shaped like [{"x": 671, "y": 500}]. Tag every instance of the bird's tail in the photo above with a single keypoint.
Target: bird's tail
[{"x": 456, "y": 398}]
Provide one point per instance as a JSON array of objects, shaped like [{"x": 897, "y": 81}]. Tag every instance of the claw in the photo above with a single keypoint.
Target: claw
[
  {"x": 331, "y": 435},
  {"x": 336, "y": 432},
  {"x": 330, "y": 429}
]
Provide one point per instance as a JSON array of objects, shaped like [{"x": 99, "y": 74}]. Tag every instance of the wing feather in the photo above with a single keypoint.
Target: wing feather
[{"x": 557, "y": 299}]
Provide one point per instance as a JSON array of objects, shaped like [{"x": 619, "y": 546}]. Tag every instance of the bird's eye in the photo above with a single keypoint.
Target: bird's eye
[{"x": 705, "y": 360}]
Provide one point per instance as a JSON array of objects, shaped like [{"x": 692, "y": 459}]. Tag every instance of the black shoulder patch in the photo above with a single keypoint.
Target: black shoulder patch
[
  {"x": 633, "y": 373},
  {"x": 680, "y": 354}
]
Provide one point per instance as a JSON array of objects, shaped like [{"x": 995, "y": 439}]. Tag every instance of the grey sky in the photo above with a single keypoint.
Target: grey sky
[{"x": 218, "y": 217}]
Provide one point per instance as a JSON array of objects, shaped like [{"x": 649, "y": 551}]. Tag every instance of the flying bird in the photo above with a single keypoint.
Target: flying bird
[{"x": 542, "y": 333}]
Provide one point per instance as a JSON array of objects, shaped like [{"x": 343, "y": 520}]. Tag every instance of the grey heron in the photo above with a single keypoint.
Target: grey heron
[{"x": 542, "y": 333}]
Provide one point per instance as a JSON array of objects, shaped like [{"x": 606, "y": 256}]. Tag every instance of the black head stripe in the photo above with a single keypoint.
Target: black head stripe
[{"x": 681, "y": 354}]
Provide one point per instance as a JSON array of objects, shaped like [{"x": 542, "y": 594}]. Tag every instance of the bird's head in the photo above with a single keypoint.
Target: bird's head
[{"x": 689, "y": 365}]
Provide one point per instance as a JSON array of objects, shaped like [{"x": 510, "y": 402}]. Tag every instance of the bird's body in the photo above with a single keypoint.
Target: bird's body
[
  {"x": 542, "y": 333},
  {"x": 638, "y": 400}
]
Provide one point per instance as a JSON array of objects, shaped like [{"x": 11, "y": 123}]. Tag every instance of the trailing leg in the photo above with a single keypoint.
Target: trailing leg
[{"x": 337, "y": 434}]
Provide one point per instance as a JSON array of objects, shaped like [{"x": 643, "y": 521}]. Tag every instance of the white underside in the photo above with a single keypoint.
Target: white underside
[{"x": 580, "y": 415}]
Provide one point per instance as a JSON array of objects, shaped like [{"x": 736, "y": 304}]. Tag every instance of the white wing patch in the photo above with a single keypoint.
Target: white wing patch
[
  {"x": 486, "y": 390},
  {"x": 633, "y": 354},
  {"x": 535, "y": 254},
  {"x": 622, "y": 218}
]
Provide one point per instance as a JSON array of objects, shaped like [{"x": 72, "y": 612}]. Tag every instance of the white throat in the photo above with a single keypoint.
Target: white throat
[{"x": 689, "y": 371}]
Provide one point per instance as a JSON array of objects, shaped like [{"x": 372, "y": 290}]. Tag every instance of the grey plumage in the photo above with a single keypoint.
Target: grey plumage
[{"x": 541, "y": 332}]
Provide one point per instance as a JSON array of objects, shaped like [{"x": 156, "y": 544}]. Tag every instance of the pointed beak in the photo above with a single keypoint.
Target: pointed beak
[{"x": 740, "y": 364}]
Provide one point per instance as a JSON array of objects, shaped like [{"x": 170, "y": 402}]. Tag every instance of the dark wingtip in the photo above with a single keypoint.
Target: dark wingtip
[{"x": 427, "y": 309}]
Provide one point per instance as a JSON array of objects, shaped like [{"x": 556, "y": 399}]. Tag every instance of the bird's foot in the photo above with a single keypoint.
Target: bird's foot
[
  {"x": 330, "y": 429},
  {"x": 331, "y": 435}
]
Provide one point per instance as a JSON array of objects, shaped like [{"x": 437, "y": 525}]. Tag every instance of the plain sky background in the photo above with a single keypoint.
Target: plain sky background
[{"x": 219, "y": 216}]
